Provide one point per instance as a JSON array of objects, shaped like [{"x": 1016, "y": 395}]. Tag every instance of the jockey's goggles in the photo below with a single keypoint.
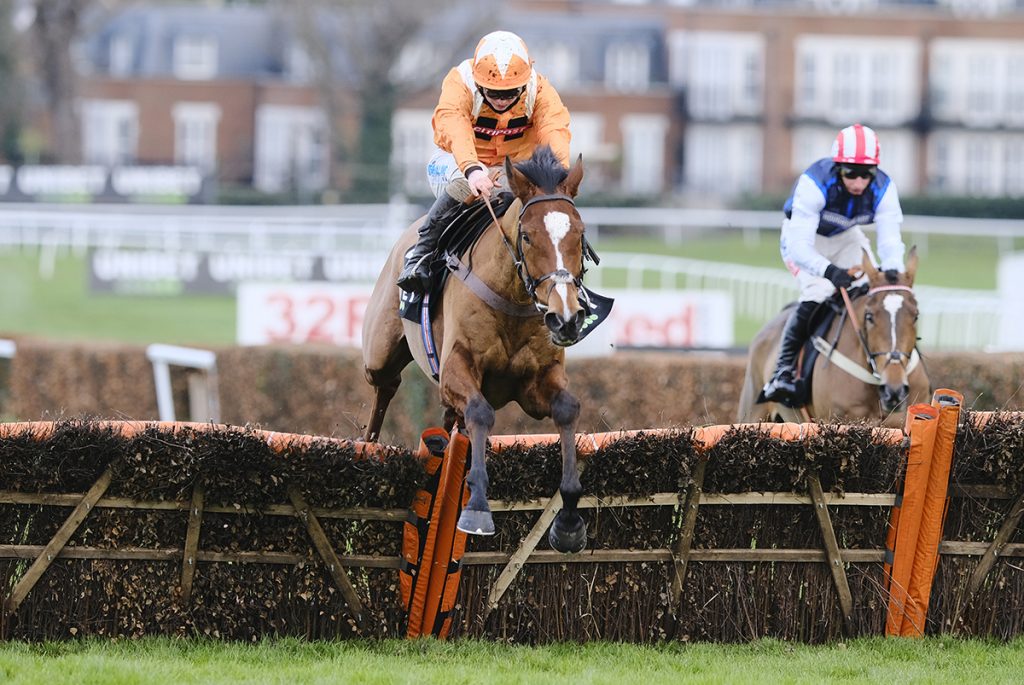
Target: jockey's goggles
[
  {"x": 857, "y": 170},
  {"x": 510, "y": 94}
]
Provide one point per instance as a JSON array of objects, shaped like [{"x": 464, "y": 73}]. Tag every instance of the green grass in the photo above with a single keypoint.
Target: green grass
[
  {"x": 294, "y": 662},
  {"x": 63, "y": 307},
  {"x": 948, "y": 261}
]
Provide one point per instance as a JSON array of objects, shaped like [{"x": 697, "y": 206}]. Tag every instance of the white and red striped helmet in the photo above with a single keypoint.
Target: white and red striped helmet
[{"x": 856, "y": 144}]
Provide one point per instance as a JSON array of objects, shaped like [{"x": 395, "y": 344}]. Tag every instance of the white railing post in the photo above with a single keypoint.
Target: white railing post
[{"x": 204, "y": 403}]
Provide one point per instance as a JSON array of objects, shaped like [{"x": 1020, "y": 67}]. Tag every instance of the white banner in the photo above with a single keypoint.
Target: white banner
[{"x": 333, "y": 313}]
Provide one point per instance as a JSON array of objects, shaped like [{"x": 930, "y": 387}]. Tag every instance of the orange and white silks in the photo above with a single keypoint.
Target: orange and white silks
[{"x": 465, "y": 125}]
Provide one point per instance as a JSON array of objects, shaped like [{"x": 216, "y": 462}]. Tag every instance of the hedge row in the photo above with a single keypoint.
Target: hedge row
[{"x": 322, "y": 390}]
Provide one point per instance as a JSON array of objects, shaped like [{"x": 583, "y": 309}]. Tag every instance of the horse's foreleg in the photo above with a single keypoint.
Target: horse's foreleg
[
  {"x": 568, "y": 531},
  {"x": 476, "y": 515}
]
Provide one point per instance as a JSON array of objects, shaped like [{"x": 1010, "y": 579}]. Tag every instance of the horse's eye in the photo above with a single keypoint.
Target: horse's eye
[
  {"x": 869, "y": 317},
  {"x": 526, "y": 238}
]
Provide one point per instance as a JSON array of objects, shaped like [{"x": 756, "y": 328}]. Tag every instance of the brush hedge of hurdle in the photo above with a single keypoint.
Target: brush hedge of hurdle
[{"x": 721, "y": 533}]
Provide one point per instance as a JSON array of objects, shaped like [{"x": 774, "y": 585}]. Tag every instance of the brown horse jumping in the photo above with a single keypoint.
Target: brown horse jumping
[
  {"x": 874, "y": 371},
  {"x": 507, "y": 348}
]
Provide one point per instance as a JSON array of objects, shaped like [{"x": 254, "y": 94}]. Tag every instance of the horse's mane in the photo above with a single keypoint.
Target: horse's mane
[{"x": 544, "y": 169}]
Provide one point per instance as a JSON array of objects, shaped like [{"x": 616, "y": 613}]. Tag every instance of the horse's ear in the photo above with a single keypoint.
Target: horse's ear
[
  {"x": 868, "y": 267},
  {"x": 572, "y": 181},
  {"x": 911, "y": 265},
  {"x": 517, "y": 181}
]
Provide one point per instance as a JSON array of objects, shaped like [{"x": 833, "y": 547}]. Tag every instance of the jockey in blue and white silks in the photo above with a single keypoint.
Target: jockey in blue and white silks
[{"x": 822, "y": 237}]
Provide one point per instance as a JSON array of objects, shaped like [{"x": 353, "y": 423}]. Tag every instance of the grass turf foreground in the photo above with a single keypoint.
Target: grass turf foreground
[{"x": 291, "y": 661}]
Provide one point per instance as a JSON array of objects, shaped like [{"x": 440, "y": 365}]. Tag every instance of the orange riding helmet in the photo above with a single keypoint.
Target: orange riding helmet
[{"x": 501, "y": 61}]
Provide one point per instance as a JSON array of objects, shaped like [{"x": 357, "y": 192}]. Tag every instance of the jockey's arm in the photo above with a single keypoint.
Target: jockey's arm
[
  {"x": 453, "y": 123},
  {"x": 888, "y": 218},
  {"x": 799, "y": 231}
]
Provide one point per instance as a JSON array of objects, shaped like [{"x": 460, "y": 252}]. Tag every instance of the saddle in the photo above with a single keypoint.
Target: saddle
[
  {"x": 463, "y": 226},
  {"x": 818, "y": 326}
]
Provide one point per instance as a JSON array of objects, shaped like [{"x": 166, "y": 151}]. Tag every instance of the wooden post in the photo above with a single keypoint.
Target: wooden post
[
  {"x": 190, "y": 555},
  {"x": 681, "y": 551},
  {"x": 835, "y": 559},
  {"x": 56, "y": 544},
  {"x": 988, "y": 559},
  {"x": 327, "y": 553},
  {"x": 519, "y": 557}
]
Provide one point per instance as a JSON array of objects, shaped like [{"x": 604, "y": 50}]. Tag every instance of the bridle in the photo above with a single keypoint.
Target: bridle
[
  {"x": 893, "y": 356},
  {"x": 556, "y": 277}
]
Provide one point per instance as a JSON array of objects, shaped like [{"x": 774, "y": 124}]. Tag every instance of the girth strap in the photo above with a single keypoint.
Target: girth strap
[{"x": 484, "y": 292}]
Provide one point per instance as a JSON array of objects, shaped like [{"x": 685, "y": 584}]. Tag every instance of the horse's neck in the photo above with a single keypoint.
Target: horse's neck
[
  {"x": 849, "y": 342},
  {"x": 494, "y": 264}
]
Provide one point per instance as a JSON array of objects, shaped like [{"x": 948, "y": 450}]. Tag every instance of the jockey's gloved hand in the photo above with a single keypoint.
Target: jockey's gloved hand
[
  {"x": 839, "y": 277},
  {"x": 892, "y": 275},
  {"x": 480, "y": 182}
]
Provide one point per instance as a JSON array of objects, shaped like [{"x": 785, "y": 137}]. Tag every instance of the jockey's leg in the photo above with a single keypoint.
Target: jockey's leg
[
  {"x": 782, "y": 386},
  {"x": 415, "y": 276}
]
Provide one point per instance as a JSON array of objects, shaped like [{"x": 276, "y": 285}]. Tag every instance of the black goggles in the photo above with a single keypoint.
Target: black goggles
[
  {"x": 857, "y": 171},
  {"x": 510, "y": 94}
]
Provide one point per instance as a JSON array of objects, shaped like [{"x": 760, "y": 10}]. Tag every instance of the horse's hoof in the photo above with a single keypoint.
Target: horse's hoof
[
  {"x": 476, "y": 522},
  {"x": 568, "y": 537}
]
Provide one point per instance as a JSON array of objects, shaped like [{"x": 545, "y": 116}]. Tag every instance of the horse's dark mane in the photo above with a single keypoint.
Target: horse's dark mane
[{"x": 544, "y": 169}]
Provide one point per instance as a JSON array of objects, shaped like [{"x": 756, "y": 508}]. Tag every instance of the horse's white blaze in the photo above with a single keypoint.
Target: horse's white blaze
[
  {"x": 893, "y": 303},
  {"x": 557, "y": 224}
]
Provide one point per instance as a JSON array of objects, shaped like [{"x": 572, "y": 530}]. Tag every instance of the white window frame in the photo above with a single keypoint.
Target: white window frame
[
  {"x": 110, "y": 131},
  {"x": 723, "y": 160},
  {"x": 195, "y": 57},
  {"x": 292, "y": 150},
  {"x": 195, "y": 134},
  {"x": 121, "y": 56},
  {"x": 643, "y": 153},
  {"x": 846, "y": 87},
  {"x": 722, "y": 71},
  {"x": 559, "y": 62},
  {"x": 412, "y": 147},
  {"x": 627, "y": 66}
]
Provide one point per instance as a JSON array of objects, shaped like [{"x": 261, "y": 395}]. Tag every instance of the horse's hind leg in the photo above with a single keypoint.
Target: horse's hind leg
[
  {"x": 382, "y": 396},
  {"x": 568, "y": 531},
  {"x": 385, "y": 381}
]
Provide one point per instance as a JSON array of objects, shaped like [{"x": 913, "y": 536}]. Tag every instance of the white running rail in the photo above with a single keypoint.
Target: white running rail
[{"x": 950, "y": 318}]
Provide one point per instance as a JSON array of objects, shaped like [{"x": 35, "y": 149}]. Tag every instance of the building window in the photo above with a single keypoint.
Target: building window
[
  {"x": 559, "y": 64},
  {"x": 195, "y": 58},
  {"x": 291, "y": 149},
  {"x": 110, "y": 132},
  {"x": 122, "y": 55},
  {"x": 1013, "y": 167},
  {"x": 807, "y": 86},
  {"x": 195, "y": 134},
  {"x": 981, "y": 85},
  {"x": 411, "y": 149},
  {"x": 643, "y": 153},
  {"x": 627, "y": 67},
  {"x": 978, "y": 168}
]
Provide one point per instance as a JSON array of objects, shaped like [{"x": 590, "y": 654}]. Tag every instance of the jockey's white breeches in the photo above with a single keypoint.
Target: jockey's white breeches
[
  {"x": 444, "y": 174},
  {"x": 844, "y": 250}
]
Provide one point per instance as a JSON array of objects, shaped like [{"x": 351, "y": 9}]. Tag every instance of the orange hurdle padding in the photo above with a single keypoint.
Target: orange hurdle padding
[
  {"x": 936, "y": 503},
  {"x": 418, "y": 540},
  {"x": 921, "y": 419},
  {"x": 450, "y": 542}
]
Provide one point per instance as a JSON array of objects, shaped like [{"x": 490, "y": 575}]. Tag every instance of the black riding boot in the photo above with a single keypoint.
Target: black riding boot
[
  {"x": 415, "y": 276},
  {"x": 782, "y": 386}
]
